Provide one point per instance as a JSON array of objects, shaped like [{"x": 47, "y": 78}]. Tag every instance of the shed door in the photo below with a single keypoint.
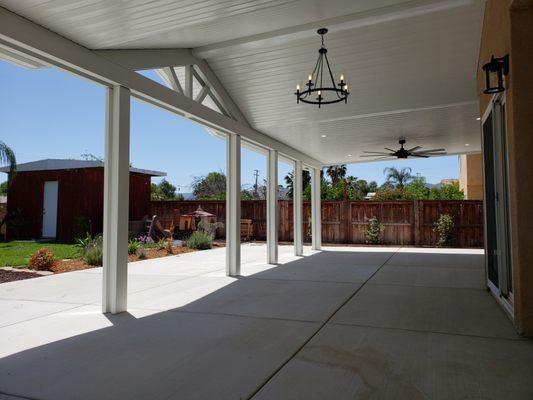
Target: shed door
[{"x": 50, "y": 209}]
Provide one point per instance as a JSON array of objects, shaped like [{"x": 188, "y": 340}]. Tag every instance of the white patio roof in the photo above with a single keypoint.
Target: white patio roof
[{"x": 411, "y": 65}]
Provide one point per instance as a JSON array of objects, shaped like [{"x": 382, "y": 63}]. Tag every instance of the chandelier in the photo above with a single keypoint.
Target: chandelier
[{"x": 321, "y": 86}]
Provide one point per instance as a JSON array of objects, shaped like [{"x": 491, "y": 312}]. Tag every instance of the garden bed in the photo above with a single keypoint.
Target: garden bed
[{"x": 10, "y": 276}]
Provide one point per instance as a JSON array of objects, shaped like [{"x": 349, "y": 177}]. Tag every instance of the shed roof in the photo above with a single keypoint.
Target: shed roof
[{"x": 58, "y": 164}]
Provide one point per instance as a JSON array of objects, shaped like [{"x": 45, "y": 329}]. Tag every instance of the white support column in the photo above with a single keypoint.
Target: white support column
[
  {"x": 316, "y": 213},
  {"x": 116, "y": 199},
  {"x": 297, "y": 206},
  {"x": 272, "y": 207},
  {"x": 233, "y": 206}
]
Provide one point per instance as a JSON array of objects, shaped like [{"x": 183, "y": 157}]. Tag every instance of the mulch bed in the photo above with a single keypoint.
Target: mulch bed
[
  {"x": 10, "y": 276},
  {"x": 155, "y": 253},
  {"x": 78, "y": 264}
]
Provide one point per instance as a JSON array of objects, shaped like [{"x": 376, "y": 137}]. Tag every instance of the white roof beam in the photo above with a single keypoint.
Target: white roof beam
[
  {"x": 139, "y": 59},
  {"x": 222, "y": 96},
  {"x": 349, "y": 21},
  {"x": 169, "y": 75},
  {"x": 29, "y": 38}
]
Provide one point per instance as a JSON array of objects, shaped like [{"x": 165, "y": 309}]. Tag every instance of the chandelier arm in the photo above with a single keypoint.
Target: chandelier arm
[{"x": 331, "y": 77}]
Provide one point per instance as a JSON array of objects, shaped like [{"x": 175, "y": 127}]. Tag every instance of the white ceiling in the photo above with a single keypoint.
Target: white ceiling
[{"x": 411, "y": 65}]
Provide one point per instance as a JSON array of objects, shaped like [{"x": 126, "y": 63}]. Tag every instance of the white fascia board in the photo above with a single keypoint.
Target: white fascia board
[{"x": 29, "y": 38}]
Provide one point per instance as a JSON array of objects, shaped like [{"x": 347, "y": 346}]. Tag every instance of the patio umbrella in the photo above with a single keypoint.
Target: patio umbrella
[{"x": 199, "y": 213}]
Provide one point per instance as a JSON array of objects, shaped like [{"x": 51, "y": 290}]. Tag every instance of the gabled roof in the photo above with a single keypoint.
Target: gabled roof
[{"x": 57, "y": 164}]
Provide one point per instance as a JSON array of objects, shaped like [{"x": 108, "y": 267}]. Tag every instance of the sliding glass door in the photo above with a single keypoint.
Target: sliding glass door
[{"x": 499, "y": 266}]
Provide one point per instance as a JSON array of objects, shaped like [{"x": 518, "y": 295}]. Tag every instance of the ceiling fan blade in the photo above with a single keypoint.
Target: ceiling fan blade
[
  {"x": 430, "y": 150},
  {"x": 375, "y": 152},
  {"x": 418, "y": 155},
  {"x": 376, "y": 155},
  {"x": 386, "y": 148},
  {"x": 414, "y": 148},
  {"x": 423, "y": 153},
  {"x": 384, "y": 158}
]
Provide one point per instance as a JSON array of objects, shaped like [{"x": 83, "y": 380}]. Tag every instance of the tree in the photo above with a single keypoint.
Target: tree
[
  {"x": 210, "y": 187},
  {"x": 398, "y": 177},
  {"x": 416, "y": 189},
  {"x": 336, "y": 172},
  {"x": 163, "y": 191},
  {"x": 447, "y": 192},
  {"x": 388, "y": 193},
  {"x": 289, "y": 178},
  {"x": 3, "y": 188},
  {"x": 7, "y": 157}
]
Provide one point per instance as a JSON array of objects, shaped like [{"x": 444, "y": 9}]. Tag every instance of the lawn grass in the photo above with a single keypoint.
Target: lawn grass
[{"x": 18, "y": 253}]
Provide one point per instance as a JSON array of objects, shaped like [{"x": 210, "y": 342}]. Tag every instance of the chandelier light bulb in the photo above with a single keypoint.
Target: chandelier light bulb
[
  {"x": 320, "y": 92},
  {"x": 342, "y": 78},
  {"x": 297, "y": 87},
  {"x": 310, "y": 77}
]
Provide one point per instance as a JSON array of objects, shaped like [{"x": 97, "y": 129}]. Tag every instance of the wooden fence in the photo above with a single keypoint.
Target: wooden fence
[{"x": 405, "y": 222}]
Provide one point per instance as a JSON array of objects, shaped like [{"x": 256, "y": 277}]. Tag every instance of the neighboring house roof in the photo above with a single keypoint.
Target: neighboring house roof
[{"x": 57, "y": 164}]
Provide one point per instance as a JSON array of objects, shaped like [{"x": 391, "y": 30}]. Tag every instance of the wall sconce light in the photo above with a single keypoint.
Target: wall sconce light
[{"x": 500, "y": 66}]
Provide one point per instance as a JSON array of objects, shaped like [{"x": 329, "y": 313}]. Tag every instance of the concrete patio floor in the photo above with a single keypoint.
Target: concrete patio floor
[{"x": 344, "y": 323}]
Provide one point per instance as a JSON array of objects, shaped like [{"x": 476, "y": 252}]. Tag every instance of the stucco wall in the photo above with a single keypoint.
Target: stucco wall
[
  {"x": 471, "y": 176},
  {"x": 508, "y": 29}
]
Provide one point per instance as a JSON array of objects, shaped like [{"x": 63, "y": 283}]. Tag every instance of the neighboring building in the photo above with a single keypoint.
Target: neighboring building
[
  {"x": 62, "y": 199},
  {"x": 448, "y": 181},
  {"x": 471, "y": 176}
]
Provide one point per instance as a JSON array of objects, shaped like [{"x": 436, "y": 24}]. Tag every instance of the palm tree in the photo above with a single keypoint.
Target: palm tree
[
  {"x": 336, "y": 172},
  {"x": 289, "y": 178},
  {"x": 7, "y": 157},
  {"x": 398, "y": 177}
]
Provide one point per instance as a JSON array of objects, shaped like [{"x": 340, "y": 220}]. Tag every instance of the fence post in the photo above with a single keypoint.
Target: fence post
[
  {"x": 416, "y": 227},
  {"x": 345, "y": 222}
]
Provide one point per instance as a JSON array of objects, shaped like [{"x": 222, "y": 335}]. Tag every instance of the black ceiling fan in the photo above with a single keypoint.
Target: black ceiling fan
[{"x": 404, "y": 153}]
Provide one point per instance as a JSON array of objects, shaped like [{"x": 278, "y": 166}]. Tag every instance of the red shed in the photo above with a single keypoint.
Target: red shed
[{"x": 63, "y": 199}]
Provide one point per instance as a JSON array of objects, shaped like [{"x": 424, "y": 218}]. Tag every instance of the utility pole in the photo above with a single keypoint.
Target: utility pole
[{"x": 256, "y": 191}]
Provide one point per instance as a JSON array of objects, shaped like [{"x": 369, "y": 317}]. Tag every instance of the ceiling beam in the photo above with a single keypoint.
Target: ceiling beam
[
  {"x": 207, "y": 74},
  {"x": 140, "y": 59},
  {"x": 38, "y": 42},
  {"x": 344, "y": 22}
]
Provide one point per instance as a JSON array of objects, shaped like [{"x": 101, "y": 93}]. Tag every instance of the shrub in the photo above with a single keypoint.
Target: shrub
[
  {"x": 146, "y": 242},
  {"x": 42, "y": 260},
  {"x": 210, "y": 227},
  {"x": 200, "y": 240},
  {"x": 93, "y": 251},
  {"x": 133, "y": 246},
  {"x": 169, "y": 247},
  {"x": 141, "y": 253},
  {"x": 443, "y": 228},
  {"x": 94, "y": 256},
  {"x": 162, "y": 244},
  {"x": 83, "y": 242},
  {"x": 373, "y": 231}
]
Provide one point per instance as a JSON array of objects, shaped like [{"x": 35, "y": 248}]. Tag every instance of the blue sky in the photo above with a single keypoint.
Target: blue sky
[{"x": 52, "y": 114}]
